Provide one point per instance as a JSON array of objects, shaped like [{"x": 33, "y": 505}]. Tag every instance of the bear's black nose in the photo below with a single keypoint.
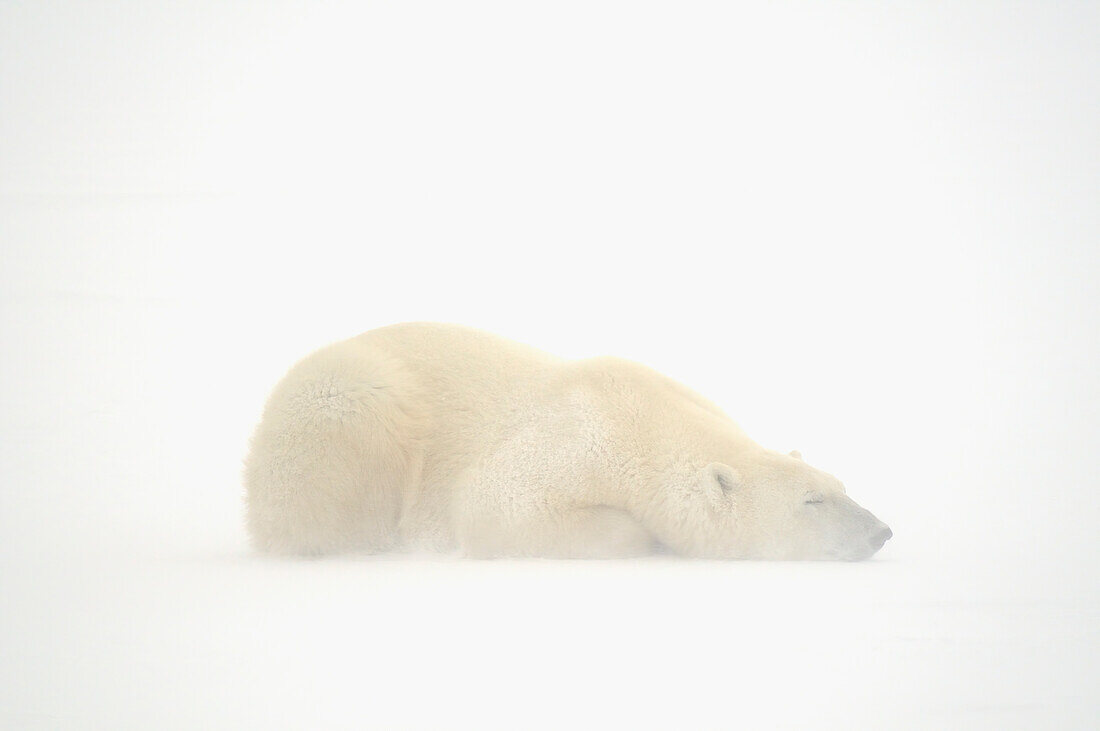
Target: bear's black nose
[{"x": 880, "y": 537}]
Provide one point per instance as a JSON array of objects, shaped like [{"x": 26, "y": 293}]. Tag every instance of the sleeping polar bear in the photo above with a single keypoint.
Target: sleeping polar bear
[{"x": 441, "y": 437}]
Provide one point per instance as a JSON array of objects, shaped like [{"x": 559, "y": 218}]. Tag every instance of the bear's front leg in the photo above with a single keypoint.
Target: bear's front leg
[{"x": 526, "y": 519}]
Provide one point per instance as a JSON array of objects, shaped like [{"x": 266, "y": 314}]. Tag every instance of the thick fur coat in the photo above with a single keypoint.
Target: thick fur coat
[{"x": 441, "y": 437}]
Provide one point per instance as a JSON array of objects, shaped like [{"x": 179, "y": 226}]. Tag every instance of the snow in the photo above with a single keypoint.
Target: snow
[
  {"x": 129, "y": 598},
  {"x": 228, "y": 640}
]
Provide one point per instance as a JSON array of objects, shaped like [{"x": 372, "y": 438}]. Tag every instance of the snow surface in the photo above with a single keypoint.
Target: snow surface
[
  {"x": 129, "y": 599},
  {"x": 224, "y": 640}
]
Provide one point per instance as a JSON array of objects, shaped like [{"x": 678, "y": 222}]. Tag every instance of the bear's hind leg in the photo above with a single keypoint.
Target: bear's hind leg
[{"x": 330, "y": 460}]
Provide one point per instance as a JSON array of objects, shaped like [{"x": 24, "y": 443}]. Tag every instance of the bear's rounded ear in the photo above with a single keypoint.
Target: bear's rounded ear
[
  {"x": 722, "y": 478},
  {"x": 795, "y": 453}
]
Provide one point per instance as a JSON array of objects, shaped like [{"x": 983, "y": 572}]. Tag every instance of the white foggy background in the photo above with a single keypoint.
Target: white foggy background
[{"x": 868, "y": 231}]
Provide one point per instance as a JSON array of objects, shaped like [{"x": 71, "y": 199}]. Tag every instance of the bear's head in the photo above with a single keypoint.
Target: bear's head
[{"x": 776, "y": 506}]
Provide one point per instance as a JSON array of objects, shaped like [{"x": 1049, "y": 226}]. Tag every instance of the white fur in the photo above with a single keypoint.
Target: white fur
[{"x": 442, "y": 437}]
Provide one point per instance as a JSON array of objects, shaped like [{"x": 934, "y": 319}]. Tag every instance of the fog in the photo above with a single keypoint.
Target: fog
[{"x": 868, "y": 233}]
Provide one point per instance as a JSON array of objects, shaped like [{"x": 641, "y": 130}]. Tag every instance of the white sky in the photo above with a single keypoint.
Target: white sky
[{"x": 868, "y": 231}]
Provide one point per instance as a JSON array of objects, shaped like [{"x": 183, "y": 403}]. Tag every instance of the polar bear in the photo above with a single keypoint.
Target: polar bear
[{"x": 441, "y": 437}]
